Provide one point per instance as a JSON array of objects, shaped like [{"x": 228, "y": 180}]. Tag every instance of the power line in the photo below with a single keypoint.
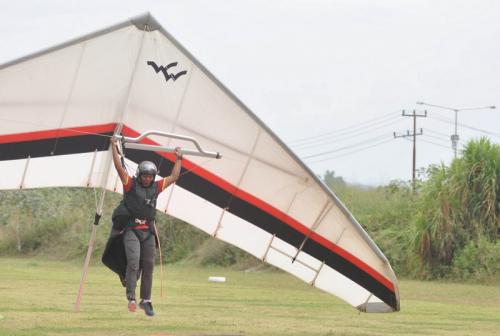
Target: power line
[
  {"x": 435, "y": 137},
  {"x": 455, "y": 137},
  {"x": 367, "y": 123},
  {"x": 342, "y": 138},
  {"x": 345, "y": 129},
  {"x": 352, "y": 152},
  {"x": 436, "y": 144},
  {"x": 448, "y": 121},
  {"x": 447, "y": 136},
  {"x": 343, "y": 148},
  {"x": 429, "y": 142},
  {"x": 346, "y": 133}
]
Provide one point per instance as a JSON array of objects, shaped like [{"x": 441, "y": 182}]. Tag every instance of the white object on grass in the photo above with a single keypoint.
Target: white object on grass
[{"x": 216, "y": 279}]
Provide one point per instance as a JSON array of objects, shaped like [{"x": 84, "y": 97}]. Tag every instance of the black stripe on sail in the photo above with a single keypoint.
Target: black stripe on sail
[
  {"x": 191, "y": 182},
  {"x": 350, "y": 270},
  {"x": 212, "y": 193},
  {"x": 48, "y": 147},
  {"x": 267, "y": 222},
  {"x": 221, "y": 198}
]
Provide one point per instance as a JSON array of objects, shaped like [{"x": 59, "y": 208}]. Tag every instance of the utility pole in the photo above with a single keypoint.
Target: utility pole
[{"x": 414, "y": 135}]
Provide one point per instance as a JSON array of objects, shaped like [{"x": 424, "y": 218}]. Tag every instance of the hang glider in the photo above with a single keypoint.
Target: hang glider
[{"x": 60, "y": 106}]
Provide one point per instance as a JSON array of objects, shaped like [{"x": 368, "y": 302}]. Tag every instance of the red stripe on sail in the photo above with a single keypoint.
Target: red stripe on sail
[
  {"x": 216, "y": 180},
  {"x": 227, "y": 186},
  {"x": 57, "y": 133}
]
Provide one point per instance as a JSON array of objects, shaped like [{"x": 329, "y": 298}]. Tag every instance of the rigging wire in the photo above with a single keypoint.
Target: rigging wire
[
  {"x": 127, "y": 166},
  {"x": 59, "y": 129},
  {"x": 197, "y": 166},
  {"x": 95, "y": 197}
]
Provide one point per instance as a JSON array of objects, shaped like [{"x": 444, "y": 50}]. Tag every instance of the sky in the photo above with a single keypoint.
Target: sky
[{"x": 330, "y": 78}]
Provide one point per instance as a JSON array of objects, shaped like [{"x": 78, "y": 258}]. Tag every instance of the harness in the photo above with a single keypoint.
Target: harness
[{"x": 137, "y": 209}]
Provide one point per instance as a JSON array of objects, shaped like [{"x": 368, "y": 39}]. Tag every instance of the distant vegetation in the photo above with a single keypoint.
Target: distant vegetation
[
  {"x": 56, "y": 223},
  {"x": 448, "y": 228}
]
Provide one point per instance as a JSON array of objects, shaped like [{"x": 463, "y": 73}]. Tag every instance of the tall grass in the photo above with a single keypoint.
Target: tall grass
[
  {"x": 458, "y": 206},
  {"x": 448, "y": 228},
  {"x": 386, "y": 214},
  {"x": 56, "y": 223}
]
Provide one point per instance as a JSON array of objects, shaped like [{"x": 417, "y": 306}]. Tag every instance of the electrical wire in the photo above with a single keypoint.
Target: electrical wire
[
  {"x": 343, "y": 130},
  {"x": 447, "y": 136},
  {"x": 436, "y": 144},
  {"x": 334, "y": 139},
  {"x": 435, "y": 137},
  {"x": 351, "y": 152},
  {"x": 449, "y": 121},
  {"x": 430, "y": 142},
  {"x": 345, "y": 147}
]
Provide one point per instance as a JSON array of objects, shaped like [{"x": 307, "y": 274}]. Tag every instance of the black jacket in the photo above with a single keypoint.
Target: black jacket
[{"x": 139, "y": 202}]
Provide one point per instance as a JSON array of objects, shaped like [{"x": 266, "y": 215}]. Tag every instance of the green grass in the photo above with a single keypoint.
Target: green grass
[{"x": 37, "y": 297}]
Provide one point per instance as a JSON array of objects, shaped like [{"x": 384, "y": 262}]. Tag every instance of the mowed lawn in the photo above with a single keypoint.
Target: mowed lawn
[{"x": 37, "y": 297}]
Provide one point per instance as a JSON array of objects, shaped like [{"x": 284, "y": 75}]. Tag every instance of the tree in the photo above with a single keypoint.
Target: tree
[{"x": 333, "y": 181}]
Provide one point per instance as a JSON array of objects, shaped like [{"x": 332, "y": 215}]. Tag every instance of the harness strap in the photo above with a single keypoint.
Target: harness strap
[{"x": 161, "y": 259}]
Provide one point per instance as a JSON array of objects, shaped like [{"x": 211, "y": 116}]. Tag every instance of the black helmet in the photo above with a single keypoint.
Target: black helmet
[{"x": 146, "y": 167}]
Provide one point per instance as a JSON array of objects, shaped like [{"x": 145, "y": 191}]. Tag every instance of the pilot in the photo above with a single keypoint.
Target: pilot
[{"x": 130, "y": 250}]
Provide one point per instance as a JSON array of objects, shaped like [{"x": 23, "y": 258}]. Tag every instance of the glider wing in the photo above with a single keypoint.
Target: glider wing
[{"x": 59, "y": 107}]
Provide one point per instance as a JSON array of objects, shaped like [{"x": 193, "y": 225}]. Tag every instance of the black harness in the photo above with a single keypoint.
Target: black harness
[{"x": 137, "y": 206}]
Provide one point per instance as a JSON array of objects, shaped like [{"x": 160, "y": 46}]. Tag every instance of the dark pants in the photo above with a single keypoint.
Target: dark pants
[{"x": 140, "y": 251}]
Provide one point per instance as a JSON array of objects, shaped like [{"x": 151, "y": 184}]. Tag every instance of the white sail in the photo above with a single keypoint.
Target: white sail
[{"x": 59, "y": 106}]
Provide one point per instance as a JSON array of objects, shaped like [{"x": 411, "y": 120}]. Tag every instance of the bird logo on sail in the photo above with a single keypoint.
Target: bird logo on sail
[{"x": 164, "y": 70}]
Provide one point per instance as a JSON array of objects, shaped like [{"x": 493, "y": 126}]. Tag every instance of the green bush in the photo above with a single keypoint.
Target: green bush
[
  {"x": 178, "y": 239},
  {"x": 214, "y": 252},
  {"x": 386, "y": 213},
  {"x": 478, "y": 260},
  {"x": 458, "y": 206}
]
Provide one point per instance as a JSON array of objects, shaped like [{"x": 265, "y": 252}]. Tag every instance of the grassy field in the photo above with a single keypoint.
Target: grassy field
[{"x": 38, "y": 297}]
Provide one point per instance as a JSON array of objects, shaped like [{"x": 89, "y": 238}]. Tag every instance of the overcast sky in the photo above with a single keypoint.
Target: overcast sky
[{"x": 345, "y": 68}]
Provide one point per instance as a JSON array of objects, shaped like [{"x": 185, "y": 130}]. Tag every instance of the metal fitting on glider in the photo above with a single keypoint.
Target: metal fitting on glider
[{"x": 133, "y": 143}]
